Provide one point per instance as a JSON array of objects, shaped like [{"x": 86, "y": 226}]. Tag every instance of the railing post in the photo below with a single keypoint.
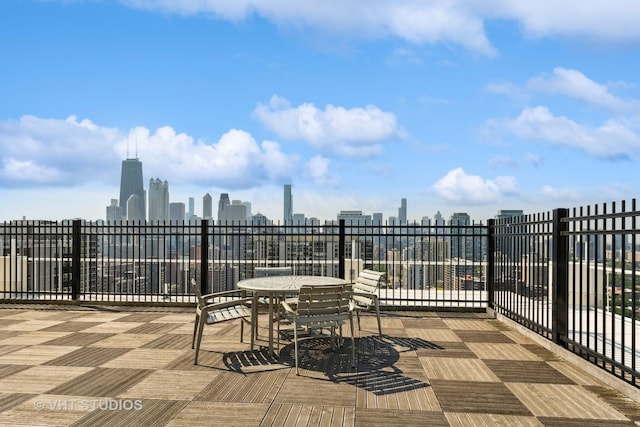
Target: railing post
[
  {"x": 76, "y": 249},
  {"x": 204, "y": 257},
  {"x": 341, "y": 243},
  {"x": 491, "y": 252},
  {"x": 560, "y": 277}
]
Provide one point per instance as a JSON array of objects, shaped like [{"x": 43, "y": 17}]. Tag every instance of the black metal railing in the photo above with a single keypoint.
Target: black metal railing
[{"x": 568, "y": 275}]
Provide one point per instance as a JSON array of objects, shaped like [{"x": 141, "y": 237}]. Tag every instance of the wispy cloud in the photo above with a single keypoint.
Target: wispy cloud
[
  {"x": 575, "y": 84},
  {"x": 344, "y": 131},
  {"x": 560, "y": 195},
  {"x": 416, "y": 22},
  {"x": 453, "y": 22},
  {"x": 459, "y": 187},
  {"x": 612, "y": 140},
  {"x": 616, "y": 21}
]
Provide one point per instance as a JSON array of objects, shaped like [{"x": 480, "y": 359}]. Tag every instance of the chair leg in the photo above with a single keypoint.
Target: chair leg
[
  {"x": 378, "y": 316},
  {"x": 295, "y": 345},
  {"x": 353, "y": 344},
  {"x": 358, "y": 316},
  {"x": 195, "y": 329},
  {"x": 199, "y": 339}
]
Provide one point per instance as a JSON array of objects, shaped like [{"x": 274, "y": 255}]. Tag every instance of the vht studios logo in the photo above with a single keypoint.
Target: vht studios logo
[{"x": 88, "y": 404}]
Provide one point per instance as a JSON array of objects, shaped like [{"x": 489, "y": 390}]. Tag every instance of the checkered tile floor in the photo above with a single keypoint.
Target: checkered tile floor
[{"x": 104, "y": 366}]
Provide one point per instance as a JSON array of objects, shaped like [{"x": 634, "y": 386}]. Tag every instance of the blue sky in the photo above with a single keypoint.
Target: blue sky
[{"x": 458, "y": 106}]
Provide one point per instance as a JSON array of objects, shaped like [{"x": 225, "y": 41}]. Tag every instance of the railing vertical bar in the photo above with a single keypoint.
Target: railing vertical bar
[{"x": 560, "y": 276}]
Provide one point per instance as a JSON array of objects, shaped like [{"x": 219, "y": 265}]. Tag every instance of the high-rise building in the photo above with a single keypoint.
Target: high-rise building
[
  {"x": 402, "y": 211},
  {"x": 509, "y": 213},
  {"x": 288, "y": 204},
  {"x": 130, "y": 184},
  {"x": 504, "y": 246},
  {"x": 114, "y": 213},
  {"x": 377, "y": 218},
  {"x": 176, "y": 211},
  {"x": 438, "y": 219},
  {"x": 158, "y": 200},
  {"x": 135, "y": 207},
  {"x": 207, "y": 206},
  {"x": 247, "y": 205},
  {"x": 222, "y": 204},
  {"x": 235, "y": 211},
  {"x": 192, "y": 209}
]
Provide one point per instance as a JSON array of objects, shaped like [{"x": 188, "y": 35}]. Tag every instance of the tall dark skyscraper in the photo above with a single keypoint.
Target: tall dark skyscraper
[
  {"x": 402, "y": 211},
  {"x": 223, "y": 203},
  {"x": 130, "y": 184}
]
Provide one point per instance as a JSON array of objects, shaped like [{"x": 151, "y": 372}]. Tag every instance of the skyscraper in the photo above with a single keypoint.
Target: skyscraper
[
  {"x": 158, "y": 200},
  {"x": 438, "y": 219},
  {"x": 130, "y": 184},
  {"x": 114, "y": 213},
  {"x": 235, "y": 211},
  {"x": 222, "y": 203},
  {"x": 207, "y": 206},
  {"x": 176, "y": 211},
  {"x": 377, "y": 218},
  {"x": 192, "y": 209},
  {"x": 402, "y": 211},
  {"x": 134, "y": 208},
  {"x": 288, "y": 204}
]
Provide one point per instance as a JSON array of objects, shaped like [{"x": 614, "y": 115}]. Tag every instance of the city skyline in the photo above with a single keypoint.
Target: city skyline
[
  {"x": 161, "y": 208},
  {"x": 454, "y": 106}
]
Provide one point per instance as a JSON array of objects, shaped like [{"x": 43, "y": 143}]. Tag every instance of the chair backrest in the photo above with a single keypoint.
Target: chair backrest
[
  {"x": 272, "y": 271},
  {"x": 368, "y": 281},
  {"x": 196, "y": 290},
  {"x": 329, "y": 300}
]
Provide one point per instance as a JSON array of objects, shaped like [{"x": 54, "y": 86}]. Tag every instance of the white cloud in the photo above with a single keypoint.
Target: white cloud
[
  {"x": 612, "y": 21},
  {"x": 414, "y": 21},
  {"x": 613, "y": 139},
  {"x": 454, "y": 22},
  {"x": 348, "y": 132},
  {"x": 458, "y": 186},
  {"x": 560, "y": 195},
  {"x": 36, "y": 152},
  {"x": 320, "y": 173},
  {"x": 575, "y": 84}
]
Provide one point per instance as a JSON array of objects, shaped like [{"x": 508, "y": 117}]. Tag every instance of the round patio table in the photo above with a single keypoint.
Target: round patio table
[{"x": 273, "y": 286}]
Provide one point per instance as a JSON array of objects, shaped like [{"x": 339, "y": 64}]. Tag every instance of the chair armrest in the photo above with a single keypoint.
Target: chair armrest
[
  {"x": 365, "y": 294},
  {"x": 288, "y": 308},
  {"x": 210, "y": 298},
  {"x": 225, "y": 304}
]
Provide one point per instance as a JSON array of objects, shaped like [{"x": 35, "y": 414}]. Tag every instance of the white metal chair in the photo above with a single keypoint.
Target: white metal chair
[
  {"x": 216, "y": 308},
  {"x": 321, "y": 307},
  {"x": 364, "y": 294}
]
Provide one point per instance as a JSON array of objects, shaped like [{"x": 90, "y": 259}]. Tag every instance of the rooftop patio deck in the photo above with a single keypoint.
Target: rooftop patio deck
[{"x": 72, "y": 365}]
